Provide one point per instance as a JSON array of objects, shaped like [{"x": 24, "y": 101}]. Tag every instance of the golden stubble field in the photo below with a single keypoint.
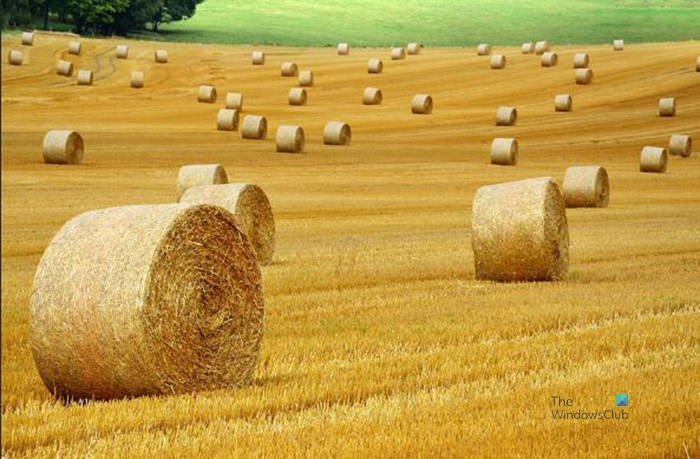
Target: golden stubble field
[{"x": 378, "y": 340}]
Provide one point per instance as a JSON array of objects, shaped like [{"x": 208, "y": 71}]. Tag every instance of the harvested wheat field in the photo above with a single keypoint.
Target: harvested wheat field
[{"x": 379, "y": 340}]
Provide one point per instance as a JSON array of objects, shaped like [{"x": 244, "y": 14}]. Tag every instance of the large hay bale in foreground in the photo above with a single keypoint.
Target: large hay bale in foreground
[
  {"x": 254, "y": 127},
  {"x": 337, "y": 133},
  {"x": 586, "y": 186},
  {"x": 549, "y": 59},
  {"x": 85, "y": 77},
  {"x": 581, "y": 61},
  {"x": 122, "y": 51},
  {"x": 527, "y": 48},
  {"x": 498, "y": 61},
  {"x": 64, "y": 68},
  {"x": 583, "y": 76},
  {"x": 372, "y": 96},
  {"x": 15, "y": 57},
  {"x": 520, "y": 232},
  {"x": 297, "y": 96},
  {"x": 654, "y": 159},
  {"x": 227, "y": 120},
  {"x": 137, "y": 79},
  {"x": 504, "y": 152},
  {"x": 398, "y": 54},
  {"x": 563, "y": 103},
  {"x": 27, "y": 38},
  {"x": 375, "y": 66},
  {"x": 257, "y": 58},
  {"x": 161, "y": 56},
  {"x": 667, "y": 106},
  {"x": 414, "y": 48},
  {"x": 422, "y": 104},
  {"x": 343, "y": 49},
  {"x": 199, "y": 175},
  {"x": 290, "y": 139},
  {"x": 542, "y": 47},
  {"x": 289, "y": 69},
  {"x": 63, "y": 147},
  {"x": 619, "y": 45},
  {"x": 506, "y": 116},
  {"x": 234, "y": 101},
  {"x": 75, "y": 48},
  {"x": 251, "y": 207},
  {"x": 306, "y": 78},
  {"x": 484, "y": 49},
  {"x": 206, "y": 94},
  {"x": 147, "y": 300},
  {"x": 681, "y": 145}
]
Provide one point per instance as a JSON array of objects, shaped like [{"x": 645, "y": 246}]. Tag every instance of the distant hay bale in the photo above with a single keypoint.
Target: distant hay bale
[
  {"x": 63, "y": 147},
  {"x": 483, "y": 49},
  {"x": 290, "y": 139},
  {"x": 254, "y": 127},
  {"x": 422, "y": 104},
  {"x": 563, "y": 103},
  {"x": 667, "y": 106},
  {"x": 289, "y": 69},
  {"x": 234, "y": 101},
  {"x": 527, "y": 48},
  {"x": 206, "y": 94},
  {"x": 199, "y": 175},
  {"x": 581, "y": 61},
  {"x": 85, "y": 77},
  {"x": 498, "y": 61},
  {"x": 583, "y": 76},
  {"x": 257, "y": 58},
  {"x": 75, "y": 48},
  {"x": 343, "y": 49},
  {"x": 681, "y": 145},
  {"x": 306, "y": 78},
  {"x": 161, "y": 56},
  {"x": 297, "y": 96},
  {"x": 697, "y": 64},
  {"x": 520, "y": 232},
  {"x": 586, "y": 186},
  {"x": 137, "y": 79},
  {"x": 375, "y": 66},
  {"x": 654, "y": 159},
  {"x": 398, "y": 54},
  {"x": 542, "y": 47},
  {"x": 122, "y": 51},
  {"x": 337, "y": 133},
  {"x": 506, "y": 116},
  {"x": 64, "y": 68},
  {"x": 147, "y": 300},
  {"x": 550, "y": 59},
  {"x": 227, "y": 120},
  {"x": 414, "y": 48},
  {"x": 15, "y": 57},
  {"x": 504, "y": 152},
  {"x": 372, "y": 96},
  {"x": 619, "y": 45},
  {"x": 251, "y": 207},
  {"x": 27, "y": 38}
]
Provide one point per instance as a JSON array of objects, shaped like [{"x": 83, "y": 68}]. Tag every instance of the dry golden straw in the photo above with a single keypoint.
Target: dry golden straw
[
  {"x": 541, "y": 47},
  {"x": 206, "y": 94},
  {"x": 483, "y": 49},
  {"x": 74, "y": 47},
  {"x": 85, "y": 77},
  {"x": 161, "y": 56},
  {"x": 290, "y": 139},
  {"x": 506, "y": 116},
  {"x": 337, "y": 133},
  {"x": 414, "y": 48},
  {"x": 343, "y": 49},
  {"x": 667, "y": 107},
  {"x": 619, "y": 45},
  {"x": 527, "y": 48},
  {"x": 306, "y": 78},
  {"x": 199, "y": 175},
  {"x": 227, "y": 120},
  {"x": 289, "y": 69},
  {"x": 398, "y": 54},
  {"x": 27, "y": 38},
  {"x": 498, "y": 61},
  {"x": 586, "y": 186},
  {"x": 297, "y": 96},
  {"x": 234, "y": 101},
  {"x": 563, "y": 103},
  {"x": 122, "y": 51},
  {"x": 681, "y": 145},
  {"x": 64, "y": 68},
  {"x": 550, "y": 59},
  {"x": 504, "y": 152},
  {"x": 520, "y": 232},
  {"x": 254, "y": 127},
  {"x": 375, "y": 66},
  {"x": 581, "y": 61},
  {"x": 372, "y": 96},
  {"x": 257, "y": 58},
  {"x": 14, "y": 57},
  {"x": 654, "y": 159},
  {"x": 161, "y": 299},
  {"x": 251, "y": 207},
  {"x": 137, "y": 79},
  {"x": 583, "y": 76},
  {"x": 422, "y": 104},
  {"x": 63, "y": 147}
]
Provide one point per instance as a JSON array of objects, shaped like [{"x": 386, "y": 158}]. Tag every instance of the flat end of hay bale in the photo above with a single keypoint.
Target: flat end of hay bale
[{"x": 422, "y": 104}]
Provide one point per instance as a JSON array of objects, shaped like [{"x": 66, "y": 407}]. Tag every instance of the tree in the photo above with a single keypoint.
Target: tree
[{"x": 174, "y": 10}]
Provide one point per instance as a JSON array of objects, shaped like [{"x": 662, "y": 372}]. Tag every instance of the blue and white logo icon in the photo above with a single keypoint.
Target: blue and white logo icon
[{"x": 622, "y": 400}]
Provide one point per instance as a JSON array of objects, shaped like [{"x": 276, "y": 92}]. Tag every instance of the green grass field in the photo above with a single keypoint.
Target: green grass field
[{"x": 437, "y": 22}]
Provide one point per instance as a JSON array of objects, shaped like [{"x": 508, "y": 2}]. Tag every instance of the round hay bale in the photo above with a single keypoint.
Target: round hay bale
[
  {"x": 297, "y": 96},
  {"x": 550, "y": 59},
  {"x": 520, "y": 232},
  {"x": 422, "y": 104},
  {"x": 654, "y": 159},
  {"x": 542, "y": 47},
  {"x": 306, "y": 78},
  {"x": 527, "y": 48},
  {"x": 483, "y": 49},
  {"x": 206, "y": 94},
  {"x": 337, "y": 133},
  {"x": 63, "y": 147},
  {"x": 583, "y": 76},
  {"x": 563, "y": 103},
  {"x": 122, "y": 51},
  {"x": 234, "y": 101},
  {"x": 27, "y": 38},
  {"x": 161, "y": 56},
  {"x": 75, "y": 48},
  {"x": 343, "y": 49},
  {"x": 414, "y": 48},
  {"x": 137, "y": 79},
  {"x": 498, "y": 61},
  {"x": 681, "y": 145},
  {"x": 161, "y": 299},
  {"x": 85, "y": 77},
  {"x": 619, "y": 45},
  {"x": 199, "y": 175},
  {"x": 581, "y": 61},
  {"x": 227, "y": 120},
  {"x": 398, "y": 54},
  {"x": 251, "y": 207},
  {"x": 504, "y": 152},
  {"x": 289, "y": 69},
  {"x": 254, "y": 127},
  {"x": 375, "y": 66},
  {"x": 506, "y": 116},
  {"x": 64, "y": 68},
  {"x": 257, "y": 58},
  {"x": 290, "y": 139},
  {"x": 667, "y": 106},
  {"x": 586, "y": 186},
  {"x": 372, "y": 96},
  {"x": 697, "y": 64},
  {"x": 15, "y": 57}
]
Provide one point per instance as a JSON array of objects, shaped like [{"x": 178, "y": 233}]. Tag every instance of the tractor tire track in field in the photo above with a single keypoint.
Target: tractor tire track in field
[{"x": 98, "y": 66}]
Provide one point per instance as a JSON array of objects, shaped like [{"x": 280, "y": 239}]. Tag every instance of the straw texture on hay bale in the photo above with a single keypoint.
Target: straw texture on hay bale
[
  {"x": 85, "y": 77},
  {"x": 75, "y": 48},
  {"x": 206, "y": 94},
  {"x": 63, "y": 147},
  {"x": 122, "y": 51},
  {"x": 199, "y": 175},
  {"x": 563, "y": 103},
  {"x": 161, "y": 299},
  {"x": 398, "y": 54},
  {"x": 234, "y": 101},
  {"x": 297, "y": 96},
  {"x": 15, "y": 57},
  {"x": 422, "y": 104},
  {"x": 654, "y": 159},
  {"x": 372, "y": 96},
  {"x": 251, "y": 207},
  {"x": 64, "y": 68},
  {"x": 137, "y": 79},
  {"x": 506, "y": 116},
  {"x": 527, "y": 48},
  {"x": 161, "y": 56},
  {"x": 337, "y": 133},
  {"x": 290, "y": 139},
  {"x": 586, "y": 186},
  {"x": 375, "y": 66},
  {"x": 498, "y": 61},
  {"x": 254, "y": 127},
  {"x": 257, "y": 58},
  {"x": 483, "y": 49},
  {"x": 583, "y": 76},
  {"x": 681, "y": 145},
  {"x": 414, "y": 48},
  {"x": 550, "y": 59},
  {"x": 542, "y": 47},
  {"x": 520, "y": 232},
  {"x": 667, "y": 107},
  {"x": 27, "y": 38},
  {"x": 306, "y": 78},
  {"x": 289, "y": 69},
  {"x": 343, "y": 49},
  {"x": 227, "y": 120},
  {"x": 619, "y": 45},
  {"x": 504, "y": 152},
  {"x": 581, "y": 61}
]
